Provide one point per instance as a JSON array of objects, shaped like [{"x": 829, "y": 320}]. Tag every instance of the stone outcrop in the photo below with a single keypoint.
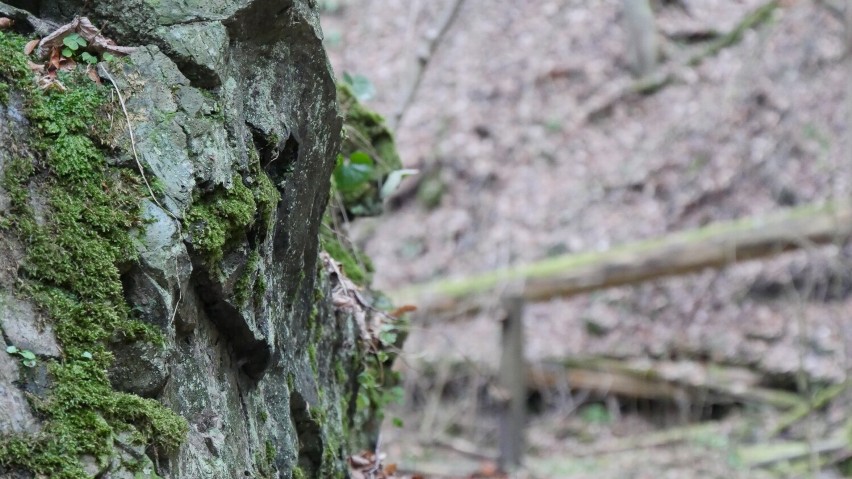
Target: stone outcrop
[{"x": 234, "y": 119}]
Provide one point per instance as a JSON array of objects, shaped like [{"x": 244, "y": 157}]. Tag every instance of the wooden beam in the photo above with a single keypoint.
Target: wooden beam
[{"x": 714, "y": 246}]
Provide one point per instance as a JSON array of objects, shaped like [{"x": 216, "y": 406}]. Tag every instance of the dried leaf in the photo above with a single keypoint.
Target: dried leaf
[
  {"x": 408, "y": 308},
  {"x": 390, "y": 469},
  {"x": 55, "y": 59},
  {"x": 36, "y": 67},
  {"x": 6, "y": 23},
  {"x": 93, "y": 75},
  {"x": 31, "y": 46},
  {"x": 67, "y": 64},
  {"x": 83, "y": 27},
  {"x": 342, "y": 301},
  {"x": 359, "y": 461}
]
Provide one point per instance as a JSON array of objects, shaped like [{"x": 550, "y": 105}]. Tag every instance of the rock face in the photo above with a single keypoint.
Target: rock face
[{"x": 233, "y": 111}]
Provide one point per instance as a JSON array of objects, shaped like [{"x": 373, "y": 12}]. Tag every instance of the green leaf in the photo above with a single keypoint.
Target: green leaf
[
  {"x": 11, "y": 349},
  {"x": 396, "y": 395},
  {"x": 88, "y": 58},
  {"x": 361, "y": 158},
  {"x": 28, "y": 355},
  {"x": 397, "y": 422},
  {"x": 387, "y": 338},
  {"x": 394, "y": 179},
  {"x": 363, "y": 401},
  {"x": 87, "y": 355},
  {"x": 74, "y": 41},
  {"x": 67, "y": 52},
  {"x": 354, "y": 172},
  {"x": 29, "y": 363},
  {"x": 361, "y": 86},
  {"x": 109, "y": 57}
]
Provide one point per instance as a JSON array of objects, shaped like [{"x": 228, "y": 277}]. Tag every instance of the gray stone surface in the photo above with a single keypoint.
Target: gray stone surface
[
  {"x": 140, "y": 368},
  {"x": 25, "y": 328},
  {"x": 223, "y": 91},
  {"x": 15, "y": 413}
]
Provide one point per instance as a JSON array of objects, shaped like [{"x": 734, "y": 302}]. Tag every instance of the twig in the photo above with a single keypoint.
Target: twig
[
  {"x": 109, "y": 77},
  {"x": 423, "y": 58},
  {"x": 148, "y": 185}
]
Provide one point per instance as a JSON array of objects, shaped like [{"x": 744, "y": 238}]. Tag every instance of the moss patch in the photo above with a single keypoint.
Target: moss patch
[
  {"x": 249, "y": 281},
  {"x": 219, "y": 219},
  {"x": 356, "y": 265},
  {"x": 74, "y": 243},
  {"x": 216, "y": 220}
]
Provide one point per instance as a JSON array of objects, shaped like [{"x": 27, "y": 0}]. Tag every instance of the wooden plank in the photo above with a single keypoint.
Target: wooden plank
[{"x": 714, "y": 246}]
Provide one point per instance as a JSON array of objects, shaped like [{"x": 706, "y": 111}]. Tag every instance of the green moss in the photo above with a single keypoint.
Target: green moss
[
  {"x": 216, "y": 220},
  {"x": 366, "y": 131},
  {"x": 246, "y": 284},
  {"x": 340, "y": 372},
  {"x": 298, "y": 473},
  {"x": 312, "y": 355},
  {"x": 74, "y": 242},
  {"x": 356, "y": 265},
  {"x": 265, "y": 460},
  {"x": 267, "y": 197},
  {"x": 270, "y": 455}
]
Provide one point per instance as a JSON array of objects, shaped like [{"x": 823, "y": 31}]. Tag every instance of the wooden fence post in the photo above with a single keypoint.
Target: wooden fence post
[{"x": 512, "y": 385}]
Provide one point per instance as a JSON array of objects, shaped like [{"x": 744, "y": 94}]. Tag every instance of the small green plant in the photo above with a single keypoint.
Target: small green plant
[
  {"x": 353, "y": 172},
  {"x": 73, "y": 43},
  {"x": 75, "y": 47},
  {"x": 28, "y": 358},
  {"x": 361, "y": 86},
  {"x": 378, "y": 385}
]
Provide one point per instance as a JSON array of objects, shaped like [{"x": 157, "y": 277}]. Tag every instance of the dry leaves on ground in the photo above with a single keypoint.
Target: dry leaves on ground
[
  {"x": 367, "y": 465},
  {"x": 63, "y": 50}
]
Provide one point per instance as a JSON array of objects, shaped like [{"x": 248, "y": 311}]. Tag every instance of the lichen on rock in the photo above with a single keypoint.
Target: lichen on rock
[{"x": 191, "y": 317}]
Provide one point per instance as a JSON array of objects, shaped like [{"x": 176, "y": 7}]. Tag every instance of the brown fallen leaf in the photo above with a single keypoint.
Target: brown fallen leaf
[
  {"x": 36, "y": 67},
  {"x": 408, "y": 308},
  {"x": 84, "y": 27},
  {"x": 31, "y": 46},
  {"x": 6, "y": 23},
  {"x": 67, "y": 64},
  {"x": 93, "y": 75},
  {"x": 55, "y": 59}
]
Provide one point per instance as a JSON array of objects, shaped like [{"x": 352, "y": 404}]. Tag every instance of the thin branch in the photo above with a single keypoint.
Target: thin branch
[{"x": 424, "y": 56}]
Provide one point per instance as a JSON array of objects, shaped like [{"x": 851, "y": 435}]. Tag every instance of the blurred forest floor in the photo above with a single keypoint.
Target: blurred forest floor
[{"x": 511, "y": 172}]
